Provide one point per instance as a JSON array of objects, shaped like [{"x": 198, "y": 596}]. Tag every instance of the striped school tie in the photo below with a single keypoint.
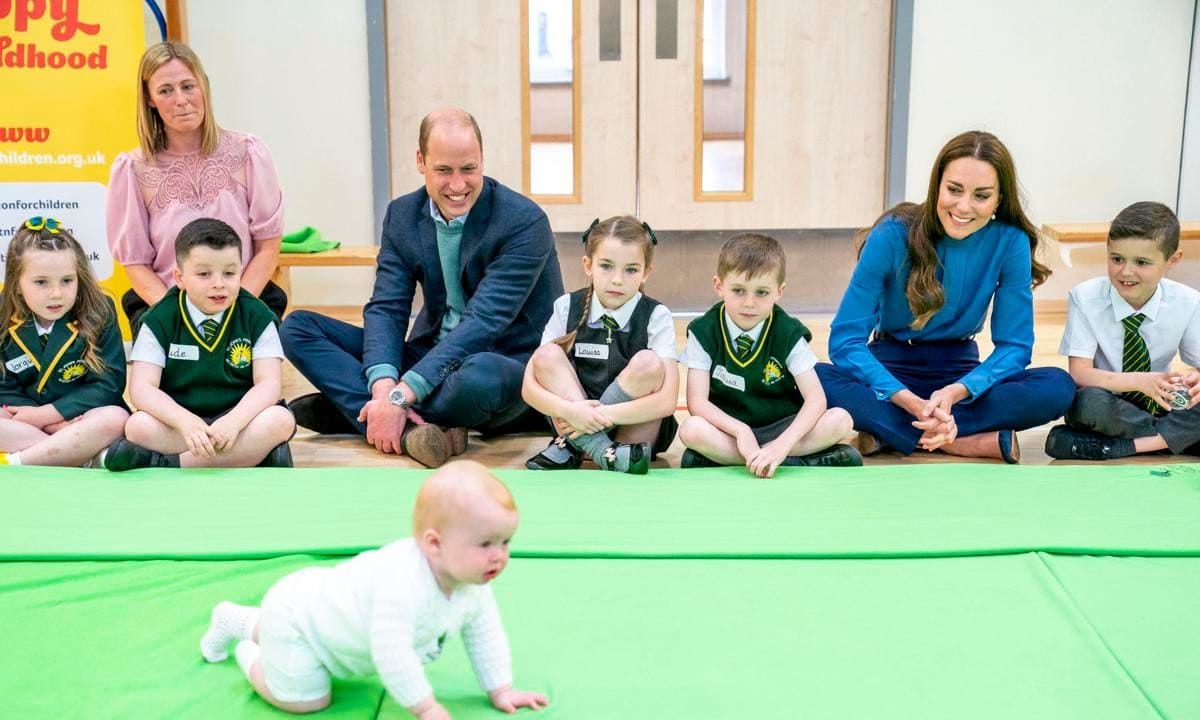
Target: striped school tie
[
  {"x": 43, "y": 339},
  {"x": 210, "y": 327},
  {"x": 610, "y": 322},
  {"x": 744, "y": 344},
  {"x": 1135, "y": 357}
]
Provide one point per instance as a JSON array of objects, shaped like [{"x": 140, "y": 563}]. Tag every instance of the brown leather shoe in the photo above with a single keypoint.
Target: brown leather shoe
[
  {"x": 868, "y": 444},
  {"x": 427, "y": 444},
  {"x": 458, "y": 439}
]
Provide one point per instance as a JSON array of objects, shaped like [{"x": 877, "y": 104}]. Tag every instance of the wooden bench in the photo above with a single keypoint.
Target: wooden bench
[
  {"x": 344, "y": 256},
  {"x": 1072, "y": 236}
]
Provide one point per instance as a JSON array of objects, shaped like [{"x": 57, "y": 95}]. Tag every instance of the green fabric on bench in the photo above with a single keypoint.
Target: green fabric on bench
[
  {"x": 978, "y": 637},
  {"x": 891, "y": 511}
]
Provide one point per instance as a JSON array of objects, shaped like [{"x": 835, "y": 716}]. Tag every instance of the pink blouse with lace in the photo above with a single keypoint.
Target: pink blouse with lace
[{"x": 149, "y": 203}]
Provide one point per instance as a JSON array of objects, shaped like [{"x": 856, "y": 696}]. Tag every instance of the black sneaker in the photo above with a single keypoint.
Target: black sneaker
[
  {"x": 543, "y": 462},
  {"x": 280, "y": 457},
  {"x": 639, "y": 458},
  {"x": 693, "y": 459},
  {"x": 835, "y": 456},
  {"x": 318, "y": 413},
  {"x": 123, "y": 455},
  {"x": 1064, "y": 443}
]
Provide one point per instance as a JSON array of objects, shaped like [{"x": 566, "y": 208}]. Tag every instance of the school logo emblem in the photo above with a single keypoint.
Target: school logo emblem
[
  {"x": 72, "y": 371},
  {"x": 773, "y": 372},
  {"x": 240, "y": 354}
]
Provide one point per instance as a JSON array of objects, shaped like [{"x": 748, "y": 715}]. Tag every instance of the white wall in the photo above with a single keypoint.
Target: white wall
[
  {"x": 1189, "y": 184},
  {"x": 294, "y": 72},
  {"x": 1088, "y": 95}
]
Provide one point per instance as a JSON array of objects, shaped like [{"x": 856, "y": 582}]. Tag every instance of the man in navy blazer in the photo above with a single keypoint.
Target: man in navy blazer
[{"x": 484, "y": 258}]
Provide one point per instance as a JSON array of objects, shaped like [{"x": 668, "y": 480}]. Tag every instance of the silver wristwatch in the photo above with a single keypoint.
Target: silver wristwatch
[{"x": 397, "y": 397}]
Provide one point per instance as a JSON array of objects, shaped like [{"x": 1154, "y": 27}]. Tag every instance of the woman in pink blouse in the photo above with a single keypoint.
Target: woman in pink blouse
[{"x": 188, "y": 167}]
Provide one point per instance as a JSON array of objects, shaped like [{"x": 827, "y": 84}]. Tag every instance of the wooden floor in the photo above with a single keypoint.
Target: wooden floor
[{"x": 311, "y": 450}]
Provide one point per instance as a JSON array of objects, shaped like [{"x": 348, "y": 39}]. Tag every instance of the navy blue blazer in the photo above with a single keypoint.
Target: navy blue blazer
[{"x": 509, "y": 273}]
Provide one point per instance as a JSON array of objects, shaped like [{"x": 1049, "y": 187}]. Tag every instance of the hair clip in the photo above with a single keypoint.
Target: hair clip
[
  {"x": 40, "y": 223},
  {"x": 588, "y": 232},
  {"x": 653, "y": 237}
]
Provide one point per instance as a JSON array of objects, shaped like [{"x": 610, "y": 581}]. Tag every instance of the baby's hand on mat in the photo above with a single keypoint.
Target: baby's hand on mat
[
  {"x": 509, "y": 699},
  {"x": 436, "y": 712}
]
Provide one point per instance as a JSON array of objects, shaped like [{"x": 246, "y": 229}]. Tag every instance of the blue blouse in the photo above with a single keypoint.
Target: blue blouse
[{"x": 991, "y": 265}]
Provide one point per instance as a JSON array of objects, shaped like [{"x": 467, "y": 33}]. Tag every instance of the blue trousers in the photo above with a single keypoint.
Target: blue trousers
[
  {"x": 483, "y": 393},
  {"x": 1025, "y": 400}
]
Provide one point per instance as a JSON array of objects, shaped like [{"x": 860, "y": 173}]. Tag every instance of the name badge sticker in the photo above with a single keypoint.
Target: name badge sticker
[
  {"x": 19, "y": 364},
  {"x": 591, "y": 350},
  {"x": 728, "y": 379},
  {"x": 183, "y": 352}
]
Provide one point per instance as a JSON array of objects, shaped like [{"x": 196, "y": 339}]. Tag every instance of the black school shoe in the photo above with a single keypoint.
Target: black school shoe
[
  {"x": 835, "y": 456},
  {"x": 123, "y": 455},
  {"x": 542, "y": 462},
  {"x": 639, "y": 458},
  {"x": 693, "y": 459},
  {"x": 280, "y": 456},
  {"x": 1064, "y": 443},
  {"x": 318, "y": 413}
]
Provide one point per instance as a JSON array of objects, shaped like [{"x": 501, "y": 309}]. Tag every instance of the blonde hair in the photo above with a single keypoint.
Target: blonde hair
[
  {"x": 152, "y": 133},
  {"x": 625, "y": 228},
  {"x": 452, "y": 490},
  {"x": 93, "y": 309}
]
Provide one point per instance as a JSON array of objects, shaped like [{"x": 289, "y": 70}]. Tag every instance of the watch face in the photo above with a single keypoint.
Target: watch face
[{"x": 396, "y": 397}]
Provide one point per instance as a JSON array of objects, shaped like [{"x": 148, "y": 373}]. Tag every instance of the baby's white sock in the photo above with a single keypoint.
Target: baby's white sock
[
  {"x": 246, "y": 652},
  {"x": 14, "y": 458},
  {"x": 230, "y": 621}
]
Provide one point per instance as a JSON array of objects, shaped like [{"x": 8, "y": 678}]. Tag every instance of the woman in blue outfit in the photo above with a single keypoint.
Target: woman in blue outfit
[{"x": 905, "y": 363}]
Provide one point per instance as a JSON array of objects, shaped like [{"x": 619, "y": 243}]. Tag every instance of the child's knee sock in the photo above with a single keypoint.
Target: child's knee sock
[
  {"x": 230, "y": 621},
  {"x": 594, "y": 444},
  {"x": 246, "y": 652}
]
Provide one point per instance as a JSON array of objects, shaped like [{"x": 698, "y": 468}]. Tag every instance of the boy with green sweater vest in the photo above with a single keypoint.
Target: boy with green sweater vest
[
  {"x": 206, "y": 367},
  {"x": 753, "y": 395}
]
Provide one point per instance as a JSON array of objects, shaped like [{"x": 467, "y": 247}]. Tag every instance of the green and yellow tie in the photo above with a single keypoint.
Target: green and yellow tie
[
  {"x": 744, "y": 345},
  {"x": 43, "y": 339},
  {"x": 210, "y": 328},
  {"x": 1135, "y": 358},
  {"x": 611, "y": 324}
]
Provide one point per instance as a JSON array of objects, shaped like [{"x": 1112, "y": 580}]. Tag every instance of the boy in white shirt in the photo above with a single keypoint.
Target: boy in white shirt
[
  {"x": 1122, "y": 333},
  {"x": 388, "y": 611}
]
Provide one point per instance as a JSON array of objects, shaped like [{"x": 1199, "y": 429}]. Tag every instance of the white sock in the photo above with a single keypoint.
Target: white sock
[
  {"x": 14, "y": 458},
  {"x": 230, "y": 621},
  {"x": 246, "y": 652}
]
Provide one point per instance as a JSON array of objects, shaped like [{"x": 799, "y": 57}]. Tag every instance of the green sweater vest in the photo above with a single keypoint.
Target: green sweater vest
[
  {"x": 759, "y": 390},
  {"x": 207, "y": 379}
]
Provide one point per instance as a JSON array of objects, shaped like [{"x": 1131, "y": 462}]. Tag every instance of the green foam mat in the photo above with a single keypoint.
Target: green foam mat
[
  {"x": 982, "y": 637},
  {"x": 892, "y": 511}
]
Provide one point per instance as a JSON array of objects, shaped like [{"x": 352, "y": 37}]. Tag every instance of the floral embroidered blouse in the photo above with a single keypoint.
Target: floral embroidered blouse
[{"x": 149, "y": 203}]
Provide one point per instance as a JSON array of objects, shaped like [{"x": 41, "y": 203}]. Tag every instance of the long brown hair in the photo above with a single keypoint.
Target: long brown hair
[
  {"x": 93, "y": 310},
  {"x": 924, "y": 292},
  {"x": 152, "y": 133},
  {"x": 625, "y": 228}
]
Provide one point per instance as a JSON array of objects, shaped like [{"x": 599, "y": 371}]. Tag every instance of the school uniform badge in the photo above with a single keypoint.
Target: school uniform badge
[
  {"x": 72, "y": 371},
  {"x": 773, "y": 372},
  {"x": 240, "y": 354}
]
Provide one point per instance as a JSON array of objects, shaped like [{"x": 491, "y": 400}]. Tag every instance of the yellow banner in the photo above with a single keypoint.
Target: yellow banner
[{"x": 68, "y": 83}]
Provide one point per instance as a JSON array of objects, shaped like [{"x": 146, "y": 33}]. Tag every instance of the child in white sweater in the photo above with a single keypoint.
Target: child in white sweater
[{"x": 388, "y": 611}]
